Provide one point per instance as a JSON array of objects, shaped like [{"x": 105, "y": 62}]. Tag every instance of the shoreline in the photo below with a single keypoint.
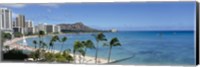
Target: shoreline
[{"x": 14, "y": 45}]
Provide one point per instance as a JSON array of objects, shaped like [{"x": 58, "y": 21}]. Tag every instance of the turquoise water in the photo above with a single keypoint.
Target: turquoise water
[{"x": 141, "y": 47}]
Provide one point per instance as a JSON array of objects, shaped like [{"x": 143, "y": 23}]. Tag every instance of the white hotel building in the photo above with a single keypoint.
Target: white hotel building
[
  {"x": 52, "y": 28},
  {"x": 29, "y": 27},
  {"x": 57, "y": 29},
  {"x": 6, "y": 20}
]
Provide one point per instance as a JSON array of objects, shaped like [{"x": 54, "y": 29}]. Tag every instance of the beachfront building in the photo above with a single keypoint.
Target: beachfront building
[
  {"x": 40, "y": 27},
  {"x": 16, "y": 28},
  {"x": 29, "y": 23},
  {"x": 113, "y": 30},
  {"x": 36, "y": 29},
  {"x": 29, "y": 28},
  {"x": 19, "y": 25},
  {"x": 50, "y": 28},
  {"x": 20, "y": 21},
  {"x": 57, "y": 29},
  {"x": 6, "y": 20}
]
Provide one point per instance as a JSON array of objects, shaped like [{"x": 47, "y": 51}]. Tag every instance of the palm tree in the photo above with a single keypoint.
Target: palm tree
[
  {"x": 40, "y": 44},
  {"x": 81, "y": 52},
  {"x": 40, "y": 35},
  {"x": 99, "y": 37},
  {"x": 51, "y": 44},
  {"x": 54, "y": 39},
  {"x": 113, "y": 42},
  {"x": 88, "y": 44},
  {"x": 35, "y": 43},
  {"x": 78, "y": 46},
  {"x": 35, "y": 55},
  {"x": 63, "y": 41},
  {"x": 44, "y": 45}
]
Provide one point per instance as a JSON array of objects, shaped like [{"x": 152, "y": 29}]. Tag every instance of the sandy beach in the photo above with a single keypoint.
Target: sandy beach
[{"x": 13, "y": 44}]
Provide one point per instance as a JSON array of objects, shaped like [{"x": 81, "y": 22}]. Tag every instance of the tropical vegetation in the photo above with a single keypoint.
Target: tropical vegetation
[
  {"x": 114, "y": 42},
  {"x": 100, "y": 37},
  {"x": 46, "y": 52}
]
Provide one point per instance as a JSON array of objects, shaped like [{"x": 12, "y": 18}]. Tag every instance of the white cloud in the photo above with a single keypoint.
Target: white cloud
[{"x": 14, "y": 5}]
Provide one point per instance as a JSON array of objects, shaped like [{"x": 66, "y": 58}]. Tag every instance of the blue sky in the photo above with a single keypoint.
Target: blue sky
[{"x": 122, "y": 16}]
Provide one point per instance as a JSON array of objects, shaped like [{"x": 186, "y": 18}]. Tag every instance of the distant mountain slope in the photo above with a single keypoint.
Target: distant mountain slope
[{"x": 76, "y": 27}]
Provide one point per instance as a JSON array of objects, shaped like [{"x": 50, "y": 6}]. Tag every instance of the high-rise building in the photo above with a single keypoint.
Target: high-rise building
[
  {"x": 20, "y": 21},
  {"x": 53, "y": 28},
  {"x": 6, "y": 19},
  {"x": 49, "y": 28},
  {"x": 15, "y": 28},
  {"x": 42, "y": 27},
  {"x": 20, "y": 24},
  {"x": 29, "y": 28},
  {"x": 57, "y": 29},
  {"x": 29, "y": 23},
  {"x": 36, "y": 29},
  {"x": 17, "y": 22}
]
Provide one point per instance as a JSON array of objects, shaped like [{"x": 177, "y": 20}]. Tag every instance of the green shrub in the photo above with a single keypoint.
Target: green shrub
[{"x": 17, "y": 34}]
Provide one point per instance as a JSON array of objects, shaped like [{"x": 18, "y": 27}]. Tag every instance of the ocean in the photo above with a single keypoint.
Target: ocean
[{"x": 140, "y": 47}]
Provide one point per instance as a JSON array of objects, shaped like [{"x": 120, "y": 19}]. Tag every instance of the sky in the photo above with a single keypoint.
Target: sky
[{"x": 121, "y": 16}]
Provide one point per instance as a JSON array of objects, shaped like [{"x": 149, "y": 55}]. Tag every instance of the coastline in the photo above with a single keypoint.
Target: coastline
[{"x": 14, "y": 45}]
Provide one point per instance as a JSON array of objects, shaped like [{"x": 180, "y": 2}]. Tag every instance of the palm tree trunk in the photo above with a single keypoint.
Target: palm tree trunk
[
  {"x": 85, "y": 54},
  {"x": 53, "y": 49},
  {"x": 96, "y": 52},
  {"x": 61, "y": 49},
  {"x": 74, "y": 57},
  {"x": 42, "y": 48},
  {"x": 42, "y": 42},
  {"x": 79, "y": 58},
  {"x": 49, "y": 48},
  {"x": 39, "y": 47},
  {"x": 109, "y": 54},
  {"x": 35, "y": 46}
]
